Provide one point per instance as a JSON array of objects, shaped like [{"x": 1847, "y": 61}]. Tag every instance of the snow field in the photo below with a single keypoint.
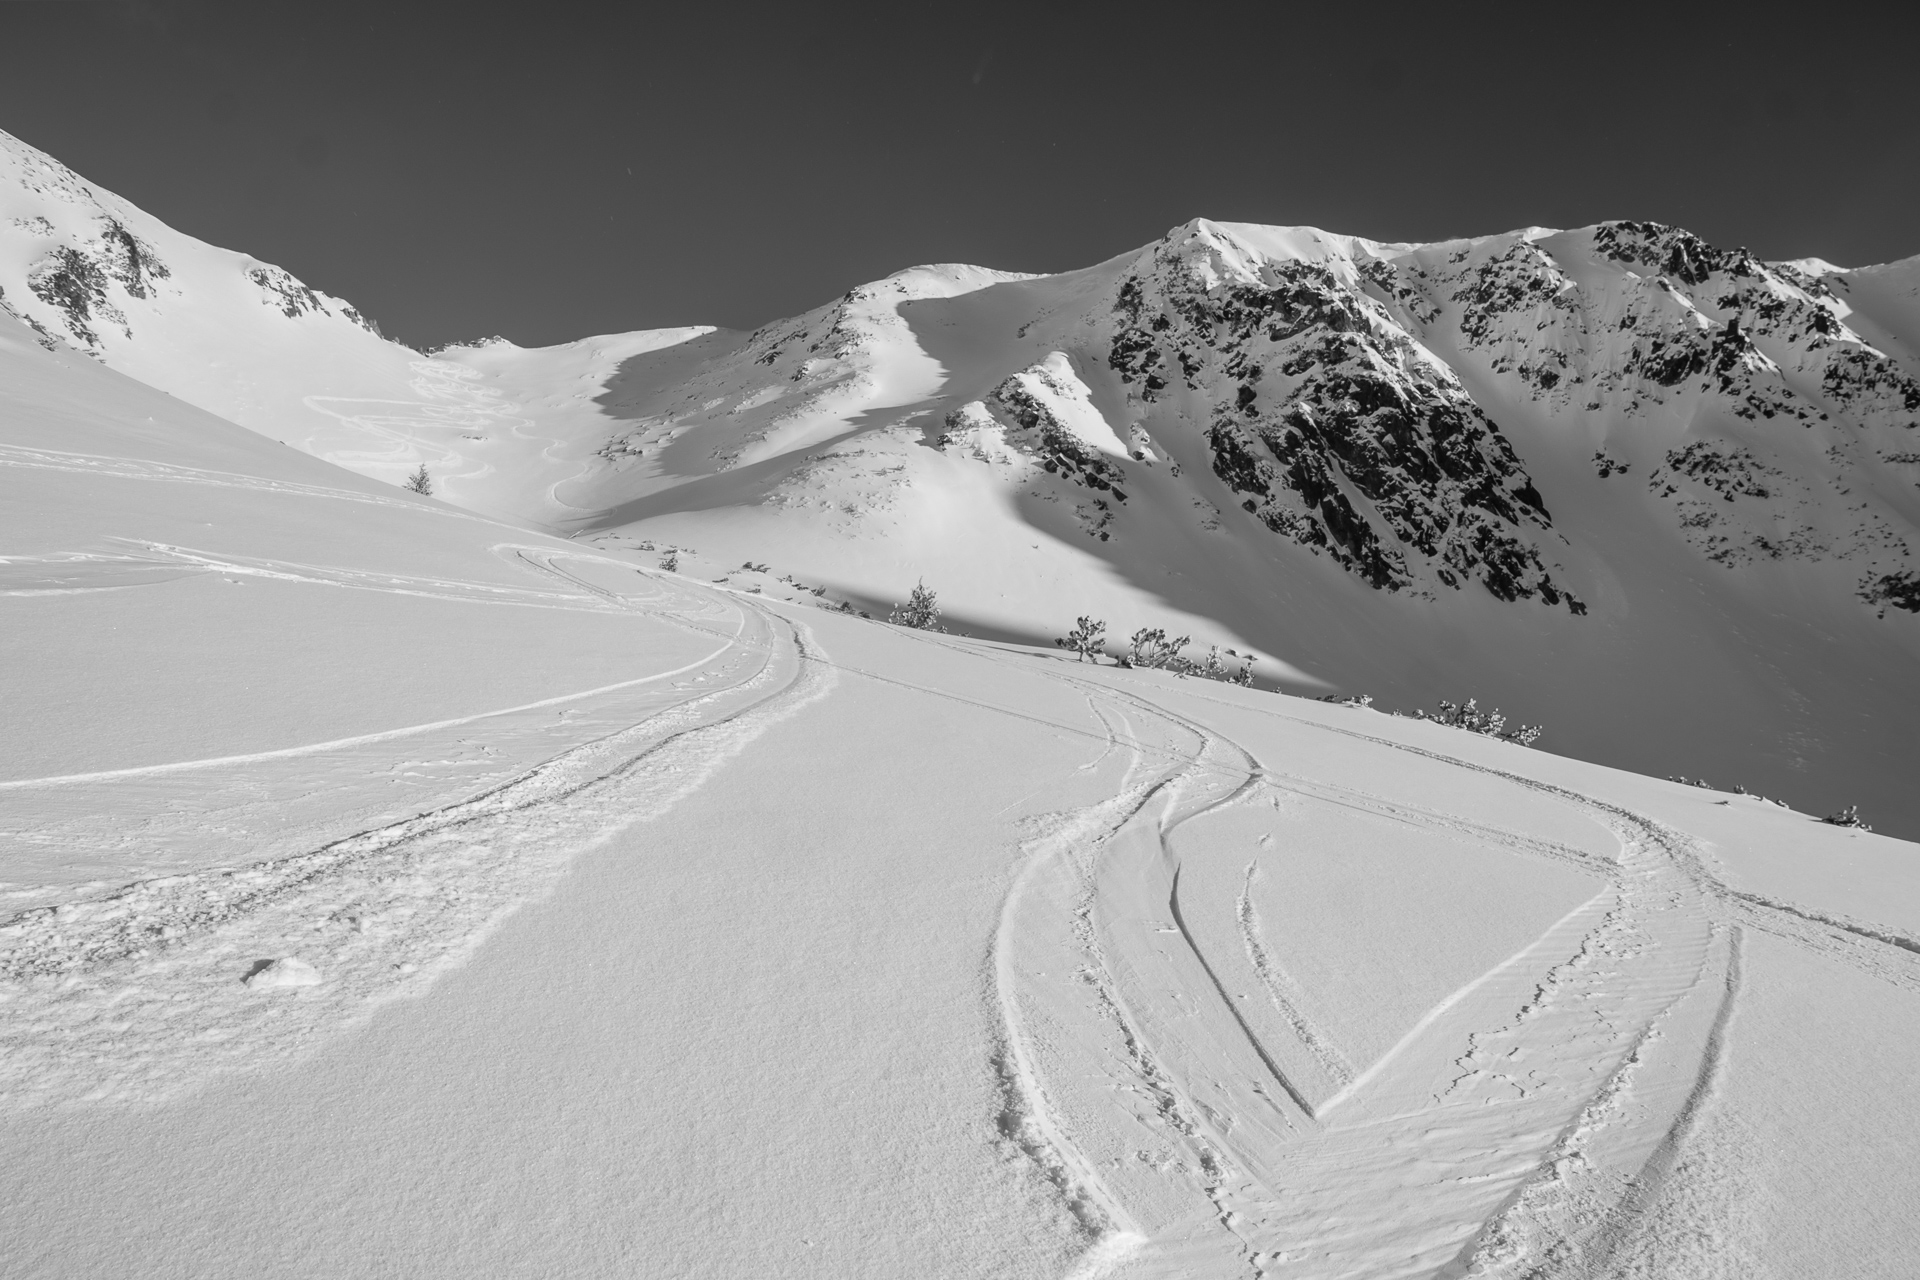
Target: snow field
[{"x": 1125, "y": 1053}]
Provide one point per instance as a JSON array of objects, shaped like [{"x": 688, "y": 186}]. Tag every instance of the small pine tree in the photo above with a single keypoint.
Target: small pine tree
[
  {"x": 420, "y": 482},
  {"x": 1149, "y": 647},
  {"x": 921, "y": 611},
  {"x": 1087, "y": 639}
]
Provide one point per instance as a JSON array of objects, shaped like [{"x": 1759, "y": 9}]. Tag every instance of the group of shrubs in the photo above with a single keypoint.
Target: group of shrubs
[
  {"x": 1847, "y": 817},
  {"x": 1151, "y": 648},
  {"x": 1467, "y": 715},
  {"x": 1456, "y": 715}
]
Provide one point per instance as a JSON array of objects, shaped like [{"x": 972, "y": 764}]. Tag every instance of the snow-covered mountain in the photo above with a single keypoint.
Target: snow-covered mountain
[
  {"x": 245, "y": 340},
  {"x": 1661, "y": 497},
  {"x": 385, "y": 885}
]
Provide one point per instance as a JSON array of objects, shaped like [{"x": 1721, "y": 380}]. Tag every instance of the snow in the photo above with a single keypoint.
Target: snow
[{"x": 390, "y": 883}]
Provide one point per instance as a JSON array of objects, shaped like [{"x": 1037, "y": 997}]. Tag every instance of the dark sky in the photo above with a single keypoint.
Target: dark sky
[{"x": 547, "y": 171}]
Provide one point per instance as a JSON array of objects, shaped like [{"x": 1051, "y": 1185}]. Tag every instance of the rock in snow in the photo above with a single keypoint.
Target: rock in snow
[{"x": 287, "y": 971}]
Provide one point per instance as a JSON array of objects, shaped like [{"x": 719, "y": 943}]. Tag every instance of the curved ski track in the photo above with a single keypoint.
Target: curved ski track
[
  {"x": 1523, "y": 1128},
  {"x": 138, "y": 994}
]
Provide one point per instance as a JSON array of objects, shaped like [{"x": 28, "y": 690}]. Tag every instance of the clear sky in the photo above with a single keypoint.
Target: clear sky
[{"x": 547, "y": 171}]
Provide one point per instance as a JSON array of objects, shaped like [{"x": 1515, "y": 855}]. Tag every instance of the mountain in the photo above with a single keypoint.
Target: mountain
[
  {"x": 246, "y": 341},
  {"x": 1656, "y": 496},
  {"x": 372, "y": 869},
  {"x": 390, "y": 886}
]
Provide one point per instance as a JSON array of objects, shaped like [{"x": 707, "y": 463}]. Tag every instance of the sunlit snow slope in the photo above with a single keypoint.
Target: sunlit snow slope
[
  {"x": 387, "y": 889},
  {"x": 245, "y": 340},
  {"x": 1659, "y": 497}
]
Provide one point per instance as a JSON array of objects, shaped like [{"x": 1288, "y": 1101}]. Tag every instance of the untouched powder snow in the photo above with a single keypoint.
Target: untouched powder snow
[{"x": 386, "y": 888}]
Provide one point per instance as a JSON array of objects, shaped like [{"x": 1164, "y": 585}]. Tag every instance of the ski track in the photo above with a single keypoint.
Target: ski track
[
  {"x": 1521, "y": 1128},
  {"x": 1527, "y": 1127},
  {"x": 138, "y": 994},
  {"x": 1286, "y": 996},
  {"x": 119, "y": 468}
]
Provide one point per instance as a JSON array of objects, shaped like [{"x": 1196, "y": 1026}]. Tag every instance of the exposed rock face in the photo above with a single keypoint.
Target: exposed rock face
[
  {"x": 1388, "y": 408},
  {"x": 1766, "y": 412},
  {"x": 76, "y": 279},
  {"x": 1062, "y": 428},
  {"x": 97, "y": 271},
  {"x": 1337, "y": 427},
  {"x": 1420, "y": 417}
]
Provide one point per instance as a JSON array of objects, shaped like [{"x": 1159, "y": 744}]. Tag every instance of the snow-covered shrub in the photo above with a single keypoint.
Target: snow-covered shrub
[
  {"x": 670, "y": 561},
  {"x": 1087, "y": 639},
  {"x": 1847, "y": 817},
  {"x": 1491, "y": 724},
  {"x": 921, "y": 611},
  {"x": 1349, "y": 699},
  {"x": 1150, "y": 647},
  {"x": 420, "y": 482}
]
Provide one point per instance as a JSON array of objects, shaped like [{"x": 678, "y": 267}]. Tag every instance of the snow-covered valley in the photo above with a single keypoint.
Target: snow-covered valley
[{"x": 557, "y": 874}]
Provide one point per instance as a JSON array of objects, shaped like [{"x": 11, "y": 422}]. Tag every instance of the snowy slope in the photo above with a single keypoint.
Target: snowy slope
[
  {"x": 388, "y": 888},
  {"x": 1654, "y": 495},
  {"x": 1658, "y": 497},
  {"x": 184, "y": 596},
  {"x": 245, "y": 340}
]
